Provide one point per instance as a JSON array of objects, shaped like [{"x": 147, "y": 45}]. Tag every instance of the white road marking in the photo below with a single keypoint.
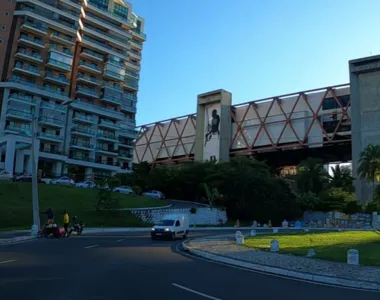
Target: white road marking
[
  {"x": 269, "y": 274},
  {"x": 7, "y": 261},
  {"x": 92, "y": 246},
  {"x": 120, "y": 240},
  {"x": 195, "y": 292}
]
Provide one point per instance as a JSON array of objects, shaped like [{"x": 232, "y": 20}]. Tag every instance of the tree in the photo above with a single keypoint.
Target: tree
[
  {"x": 341, "y": 178},
  {"x": 369, "y": 165},
  {"x": 311, "y": 176}
]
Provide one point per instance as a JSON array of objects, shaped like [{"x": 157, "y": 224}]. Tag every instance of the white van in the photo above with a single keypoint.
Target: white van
[{"x": 171, "y": 226}]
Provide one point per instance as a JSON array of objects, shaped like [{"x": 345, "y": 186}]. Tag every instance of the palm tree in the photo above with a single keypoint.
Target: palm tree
[
  {"x": 311, "y": 176},
  {"x": 369, "y": 165},
  {"x": 341, "y": 178}
]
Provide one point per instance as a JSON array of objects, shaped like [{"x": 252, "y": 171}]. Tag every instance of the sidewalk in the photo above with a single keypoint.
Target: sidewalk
[{"x": 223, "y": 249}]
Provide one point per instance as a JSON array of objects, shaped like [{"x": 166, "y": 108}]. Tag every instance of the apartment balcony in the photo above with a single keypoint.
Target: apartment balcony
[
  {"x": 124, "y": 155},
  {"x": 46, "y": 17},
  {"x": 82, "y": 131},
  {"x": 113, "y": 76},
  {"x": 87, "y": 92},
  {"x": 107, "y": 137},
  {"x": 134, "y": 54},
  {"x": 129, "y": 96},
  {"x": 136, "y": 44},
  {"x": 133, "y": 65},
  {"x": 106, "y": 36},
  {"x": 132, "y": 74},
  {"x": 84, "y": 119},
  {"x": 63, "y": 39},
  {"x": 96, "y": 109},
  {"x": 105, "y": 23},
  {"x": 58, "y": 79},
  {"x": 102, "y": 47},
  {"x": 138, "y": 34},
  {"x": 31, "y": 100},
  {"x": 82, "y": 146},
  {"x": 92, "y": 68},
  {"x": 91, "y": 163},
  {"x": 109, "y": 125},
  {"x": 26, "y": 70},
  {"x": 52, "y": 153},
  {"x": 21, "y": 84},
  {"x": 113, "y": 87},
  {"x": 128, "y": 108},
  {"x": 52, "y": 122},
  {"x": 92, "y": 55},
  {"x": 125, "y": 145},
  {"x": 53, "y": 107},
  {"x": 31, "y": 42},
  {"x": 35, "y": 28},
  {"x": 111, "y": 99},
  {"x": 50, "y": 137},
  {"x": 107, "y": 151},
  {"x": 87, "y": 79},
  {"x": 29, "y": 56},
  {"x": 61, "y": 50},
  {"x": 58, "y": 65},
  {"x": 10, "y": 129},
  {"x": 19, "y": 115},
  {"x": 129, "y": 122},
  {"x": 128, "y": 133},
  {"x": 73, "y": 3},
  {"x": 131, "y": 84}
]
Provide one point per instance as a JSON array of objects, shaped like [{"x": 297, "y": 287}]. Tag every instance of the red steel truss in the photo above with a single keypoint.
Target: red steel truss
[
  {"x": 144, "y": 140},
  {"x": 329, "y": 92}
]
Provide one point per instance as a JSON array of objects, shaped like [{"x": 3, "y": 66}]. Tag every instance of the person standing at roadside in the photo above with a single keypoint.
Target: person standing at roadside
[{"x": 66, "y": 222}]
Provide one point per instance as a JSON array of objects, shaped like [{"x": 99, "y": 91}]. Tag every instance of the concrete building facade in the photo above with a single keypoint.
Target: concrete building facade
[
  {"x": 333, "y": 123},
  {"x": 70, "y": 73}
]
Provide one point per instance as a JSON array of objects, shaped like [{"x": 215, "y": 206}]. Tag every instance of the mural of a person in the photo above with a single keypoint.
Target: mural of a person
[{"x": 213, "y": 126}]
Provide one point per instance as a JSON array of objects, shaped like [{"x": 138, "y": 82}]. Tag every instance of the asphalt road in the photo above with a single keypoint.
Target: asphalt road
[{"x": 134, "y": 267}]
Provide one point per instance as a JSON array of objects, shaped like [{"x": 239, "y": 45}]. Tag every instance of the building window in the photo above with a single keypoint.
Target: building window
[
  {"x": 6, "y": 13},
  {"x": 3, "y": 27},
  {"x": 121, "y": 11}
]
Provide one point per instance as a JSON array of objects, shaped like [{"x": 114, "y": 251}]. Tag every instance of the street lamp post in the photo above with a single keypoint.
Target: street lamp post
[{"x": 34, "y": 159}]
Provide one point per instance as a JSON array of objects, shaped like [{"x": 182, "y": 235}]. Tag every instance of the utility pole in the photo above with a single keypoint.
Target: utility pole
[{"x": 36, "y": 210}]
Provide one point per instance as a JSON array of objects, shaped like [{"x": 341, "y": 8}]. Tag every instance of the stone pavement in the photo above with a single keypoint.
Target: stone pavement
[{"x": 224, "y": 249}]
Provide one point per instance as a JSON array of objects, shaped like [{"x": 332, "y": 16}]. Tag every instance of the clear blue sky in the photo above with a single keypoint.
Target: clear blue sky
[{"x": 254, "y": 49}]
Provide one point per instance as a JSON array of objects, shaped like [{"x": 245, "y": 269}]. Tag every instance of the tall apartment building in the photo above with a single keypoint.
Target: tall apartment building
[{"x": 70, "y": 72}]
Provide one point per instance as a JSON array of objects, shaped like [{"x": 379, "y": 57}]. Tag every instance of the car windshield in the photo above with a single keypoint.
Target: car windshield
[{"x": 166, "y": 223}]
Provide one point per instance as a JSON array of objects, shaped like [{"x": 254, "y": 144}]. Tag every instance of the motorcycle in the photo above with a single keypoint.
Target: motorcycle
[
  {"x": 51, "y": 229},
  {"x": 77, "y": 227}
]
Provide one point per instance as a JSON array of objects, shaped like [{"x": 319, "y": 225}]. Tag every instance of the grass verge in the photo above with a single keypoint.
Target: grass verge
[
  {"x": 16, "y": 205},
  {"x": 331, "y": 246}
]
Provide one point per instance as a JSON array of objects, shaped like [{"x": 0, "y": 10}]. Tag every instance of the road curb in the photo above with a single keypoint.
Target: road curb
[
  {"x": 15, "y": 240},
  {"x": 369, "y": 286}
]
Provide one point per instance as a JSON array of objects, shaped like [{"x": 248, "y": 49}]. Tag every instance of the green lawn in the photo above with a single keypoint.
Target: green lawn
[
  {"x": 329, "y": 246},
  {"x": 16, "y": 205}
]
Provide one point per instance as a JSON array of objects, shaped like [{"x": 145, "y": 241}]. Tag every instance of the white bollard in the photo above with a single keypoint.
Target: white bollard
[
  {"x": 34, "y": 232},
  {"x": 237, "y": 234},
  {"x": 274, "y": 246},
  {"x": 275, "y": 230},
  {"x": 253, "y": 232},
  {"x": 240, "y": 240},
  {"x": 353, "y": 257}
]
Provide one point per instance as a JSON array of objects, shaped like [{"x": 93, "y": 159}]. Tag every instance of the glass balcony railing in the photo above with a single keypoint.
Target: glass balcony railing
[
  {"x": 89, "y": 65},
  {"x": 82, "y": 144},
  {"x": 135, "y": 52},
  {"x": 50, "y": 136},
  {"x": 31, "y": 39},
  {"x": 52, "y": 106},
  {"x": 37, "y": 26},
  {"x": 61, "y": 49},
  {"x": 137, "y": 42},
  {"x": 132, "y": 74},
  {"x": 30, "y": 54},
  {"x": 141, "y": 34},
  {"x": 94, "y": 54},
  {"x": 50, "y": 120},
  {"x": 28, "y": 131},
  {"x": 129, "y": 96},
  {"x": 106, "y": 135},
  {"x": 56, "y": 77},
  {"x": 85, "y": 130},
  {"x": 87, "y": 91},
  {"x": 28, "y": 99},
  {"x": 110, "y": 98},
  {"x": 106, "y": 149},
  {"x": 27, "y": 68},
  {"x": 109, "y": 124},
  {"x": 63, "y": 36},
  {"x": 125, "y": 154},
  {"x": 84, "y": 118},
  {"x": 116, "y": 63},
  {"x": 88, "y": 78},
  {"x": 114, "y": 75},
  {"x": 59, "y": 64},
  {"x": 51, "y": 150},
  {"x": 131, "y": 84},
  {"x": 92, "y": 107},
  {"x": 125, "y": 142},
  {"x": 37, "y": 86},
  {"x": 80, "y": 156},
  {"x": 112, "y": 86},
  {"x": 17, "y": 113}
]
